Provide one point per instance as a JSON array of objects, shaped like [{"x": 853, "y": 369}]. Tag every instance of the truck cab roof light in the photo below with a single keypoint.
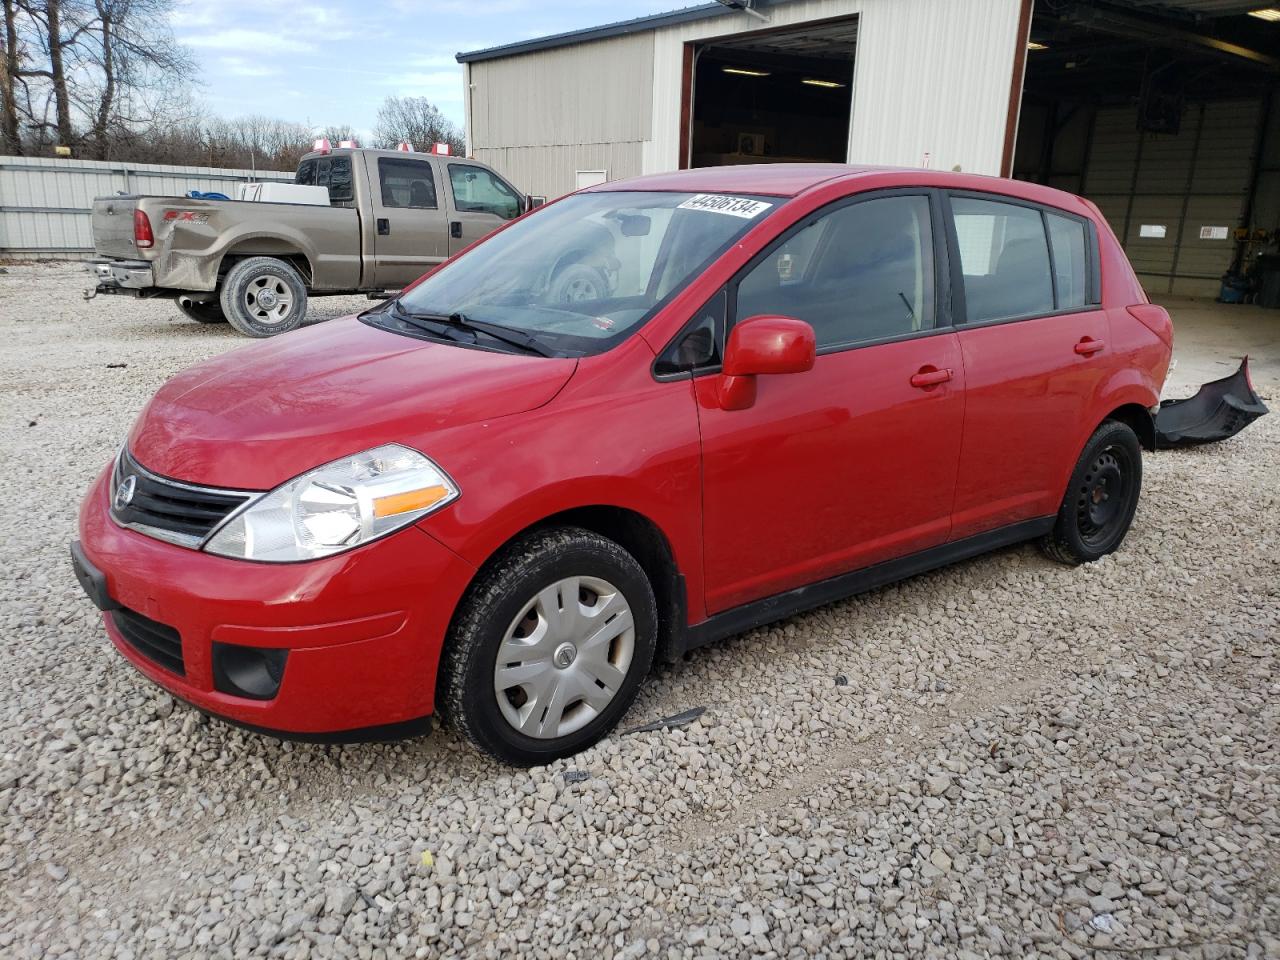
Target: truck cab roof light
[
  {"x": 322, "y": 145},
  {"x": 404, "y": 146}
]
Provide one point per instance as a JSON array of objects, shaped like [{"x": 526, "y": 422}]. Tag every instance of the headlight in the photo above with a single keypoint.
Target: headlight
[{"x": 335, "y": 507}]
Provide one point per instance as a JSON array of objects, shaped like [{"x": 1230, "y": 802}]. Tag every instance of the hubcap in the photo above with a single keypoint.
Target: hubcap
[
  {"x": 268, "y": 299},
  {"x": 565, "y": 657}
]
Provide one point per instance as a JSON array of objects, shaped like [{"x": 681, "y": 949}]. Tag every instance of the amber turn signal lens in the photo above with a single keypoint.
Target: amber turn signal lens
[{"x": 408, "y": 502}]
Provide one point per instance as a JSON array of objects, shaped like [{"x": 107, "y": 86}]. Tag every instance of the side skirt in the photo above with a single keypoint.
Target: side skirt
[{"x": 782, "y": 605}]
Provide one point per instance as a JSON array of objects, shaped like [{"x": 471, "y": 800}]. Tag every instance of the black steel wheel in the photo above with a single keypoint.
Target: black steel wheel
[{"x": 1101, "y": 497}]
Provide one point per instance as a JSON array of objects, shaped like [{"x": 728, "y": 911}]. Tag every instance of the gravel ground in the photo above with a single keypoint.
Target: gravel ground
[{"x": 1004, "y": 758}]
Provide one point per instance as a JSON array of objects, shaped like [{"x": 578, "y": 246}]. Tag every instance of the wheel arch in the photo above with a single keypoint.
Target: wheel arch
[
  {"x": 277, "y": 247},
  {"x": 1138, "y": 418},
  {"x": 638, "y": 535}
]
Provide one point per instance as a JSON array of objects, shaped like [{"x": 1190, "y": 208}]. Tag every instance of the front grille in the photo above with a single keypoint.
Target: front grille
[
  {"x": 158, "y": 642},
  {"x": 180, "y": 513}
]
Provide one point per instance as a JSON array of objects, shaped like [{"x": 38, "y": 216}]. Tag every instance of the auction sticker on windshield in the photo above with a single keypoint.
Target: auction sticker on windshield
[{"x": 733, "y": 206}]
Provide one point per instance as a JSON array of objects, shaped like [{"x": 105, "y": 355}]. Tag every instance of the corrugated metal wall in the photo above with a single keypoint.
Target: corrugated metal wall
[
  {"x": 541, "y": 117},
  {"x": 1187, "y": 183},
  {"x": 931, "y": 76},
  {"x": 45, "y": 203},
  {"x": 1196, "y": 179}
]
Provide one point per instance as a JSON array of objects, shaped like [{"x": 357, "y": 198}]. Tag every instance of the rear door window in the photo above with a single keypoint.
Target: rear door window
[
  {"x": 1004, "y": 257},
  {"x": 407, "y": 183},
  {"x": 476, "y": 190}
]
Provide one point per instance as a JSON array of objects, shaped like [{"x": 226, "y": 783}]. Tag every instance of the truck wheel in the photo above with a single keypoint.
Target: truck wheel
[
  {"x": 201, "y": 311},
  {"x": 263, "y": 296},
  {"x": 549, "y": 647}
]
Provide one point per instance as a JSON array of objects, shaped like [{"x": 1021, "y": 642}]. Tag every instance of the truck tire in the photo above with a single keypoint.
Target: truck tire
[
  {"x": 263, "y": 296},
  {"x": 577, "y": 282},
  {"x": 201, "y": 311}
]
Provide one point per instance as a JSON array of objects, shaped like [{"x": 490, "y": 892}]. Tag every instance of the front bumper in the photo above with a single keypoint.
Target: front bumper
[
  {"x": 363, "y": 630},
  {"x": 121, "y": 274}
]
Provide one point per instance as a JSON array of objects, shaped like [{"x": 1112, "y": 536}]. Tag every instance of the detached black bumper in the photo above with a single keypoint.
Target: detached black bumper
[{"x": 1219, "y": 410}]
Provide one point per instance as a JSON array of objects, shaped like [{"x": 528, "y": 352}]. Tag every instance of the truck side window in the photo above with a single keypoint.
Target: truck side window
[
  {"x": 306, "y": 175},
  {"x": 476, "y": 190},
  {"x": 407, "y": 183},
  {"x": 340, "y": 179}
]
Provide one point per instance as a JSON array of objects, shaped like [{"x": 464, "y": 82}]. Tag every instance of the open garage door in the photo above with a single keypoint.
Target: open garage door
[
  {"x": 772, "y": 96},
  {"x": 1159, "y": 114}
]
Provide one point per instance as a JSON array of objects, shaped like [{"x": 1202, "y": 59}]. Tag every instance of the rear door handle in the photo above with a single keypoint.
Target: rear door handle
[
  {"x": 384, "y": 227},
  {"x": 455, "y": 229},
  {"x": 929, "y": 377},
  {"x": 1088, "y": 346}
]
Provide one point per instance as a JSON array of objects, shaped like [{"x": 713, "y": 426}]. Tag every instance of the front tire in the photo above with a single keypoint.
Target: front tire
[
  {"x": 263, "y": 297},
  {"x": 549, "y": 647},
  {"x": 1101, "y": 497}
]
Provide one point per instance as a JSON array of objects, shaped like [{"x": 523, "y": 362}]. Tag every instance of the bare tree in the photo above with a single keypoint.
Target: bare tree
[
  {"x": 10, "y": 62},
  {"x": 336, "y": 133},
  {"x": 418, "y": 121}
]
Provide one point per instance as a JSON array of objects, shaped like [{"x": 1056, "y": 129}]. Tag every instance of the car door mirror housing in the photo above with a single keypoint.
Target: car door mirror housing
[{"x": 763, "y": 345}]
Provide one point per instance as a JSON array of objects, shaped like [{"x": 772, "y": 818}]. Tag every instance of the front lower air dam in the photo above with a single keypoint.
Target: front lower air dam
[{"x": 1219, "y": 410}]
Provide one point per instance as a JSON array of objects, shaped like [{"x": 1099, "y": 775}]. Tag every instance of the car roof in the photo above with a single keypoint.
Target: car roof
[{"x": 793, "y": 179}]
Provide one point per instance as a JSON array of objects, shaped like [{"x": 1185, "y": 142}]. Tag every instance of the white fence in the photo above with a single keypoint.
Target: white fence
[{"x": 45, "y": 204}]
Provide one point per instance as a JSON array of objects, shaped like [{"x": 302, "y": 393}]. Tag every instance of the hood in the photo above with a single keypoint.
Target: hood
[{"x": 258, "y": 416}]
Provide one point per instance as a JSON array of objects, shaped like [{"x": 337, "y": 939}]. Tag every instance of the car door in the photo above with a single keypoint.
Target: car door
[
  {"x": 482, "y": 202},
  {"x": 1034, "y": 341},
  {"x": 853, "y": 462},
  {"x": 410, "y": 234}
]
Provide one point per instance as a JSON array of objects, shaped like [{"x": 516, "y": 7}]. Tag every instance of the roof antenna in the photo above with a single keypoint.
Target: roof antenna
[{"x": 746, "y": 6}]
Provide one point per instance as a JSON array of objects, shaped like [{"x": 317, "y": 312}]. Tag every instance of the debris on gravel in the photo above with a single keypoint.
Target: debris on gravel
[{"x": 1025, "y": 759}]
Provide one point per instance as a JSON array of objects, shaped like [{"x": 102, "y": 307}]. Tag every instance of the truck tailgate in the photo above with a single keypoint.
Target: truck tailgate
[{"x": 113, "y": 227}]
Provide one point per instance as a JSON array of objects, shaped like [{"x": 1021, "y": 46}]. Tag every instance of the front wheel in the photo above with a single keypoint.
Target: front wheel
[
  {"x": 263, "y": 297},
  {"x": 1101, "y": 498},
  {"x": 549, "y": 647}
]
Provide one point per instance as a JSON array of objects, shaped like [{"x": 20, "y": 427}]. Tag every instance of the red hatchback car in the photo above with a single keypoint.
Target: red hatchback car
[{"x": 501, "y": 497}]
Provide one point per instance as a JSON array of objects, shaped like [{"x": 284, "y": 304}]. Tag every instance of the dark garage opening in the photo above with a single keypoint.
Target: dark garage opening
[
  {"x": 773, "y": 97},
  {"x": 1165, "y": 117}
]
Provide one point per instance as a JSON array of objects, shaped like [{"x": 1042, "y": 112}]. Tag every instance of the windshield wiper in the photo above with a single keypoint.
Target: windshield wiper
[
  {"x": 427, "y": 324},
  {"x": 511, "y": 335}
]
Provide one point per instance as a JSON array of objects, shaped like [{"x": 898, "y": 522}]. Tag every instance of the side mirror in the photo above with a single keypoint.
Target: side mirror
[{"x": 763, "y": 345}]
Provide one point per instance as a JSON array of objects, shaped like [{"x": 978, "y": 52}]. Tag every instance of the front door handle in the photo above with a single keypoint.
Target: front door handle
[
  {"x": 1088, "y": 346},
  {"x": 384, "y": 227},
  {"x": 929, "y": 376},
  {"x": 455, "y": 229}
]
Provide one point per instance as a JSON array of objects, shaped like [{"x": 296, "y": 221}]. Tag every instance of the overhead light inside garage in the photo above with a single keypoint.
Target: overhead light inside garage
[
  {"x": 1032, "y": 45},
  {"x": 1270, "y": 14},
  {"x": 826, "y": 84},
  {"x": 745, "y": 72}
]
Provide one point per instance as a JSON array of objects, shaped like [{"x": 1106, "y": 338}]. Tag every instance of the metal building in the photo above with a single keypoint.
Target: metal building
[{"x": 1156, "y": 109}]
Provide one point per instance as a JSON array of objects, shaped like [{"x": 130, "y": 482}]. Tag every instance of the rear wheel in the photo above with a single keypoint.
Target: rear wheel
[
  {"x": 1101, "y": 498},
  {"x": 201, "y": 311},
  {"x": 549, "y": 647},
  {"x": 263, "y": 297}
]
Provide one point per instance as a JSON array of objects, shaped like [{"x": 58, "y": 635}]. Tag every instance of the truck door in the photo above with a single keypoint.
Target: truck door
[
  {"x": 410, "y": 230},
  {"x": 482, "y": 202}
]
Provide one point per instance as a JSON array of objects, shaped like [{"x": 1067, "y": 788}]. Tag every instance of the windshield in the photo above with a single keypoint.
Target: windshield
[{"x": 582, "y": 274}]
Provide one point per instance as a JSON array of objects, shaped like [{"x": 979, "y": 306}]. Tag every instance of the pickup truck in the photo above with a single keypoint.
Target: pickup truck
[{"x": 390, "y": 217}]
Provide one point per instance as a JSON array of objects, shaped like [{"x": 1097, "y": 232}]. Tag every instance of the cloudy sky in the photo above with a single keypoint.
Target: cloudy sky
[{"x": 333, "y": 62}]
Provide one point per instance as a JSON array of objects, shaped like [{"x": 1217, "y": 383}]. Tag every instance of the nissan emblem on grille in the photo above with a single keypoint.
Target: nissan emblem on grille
[{"x": 124, "y": 492}]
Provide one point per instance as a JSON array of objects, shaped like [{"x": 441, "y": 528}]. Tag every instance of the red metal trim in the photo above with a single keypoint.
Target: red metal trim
[{"x": 1015, "y": 88}]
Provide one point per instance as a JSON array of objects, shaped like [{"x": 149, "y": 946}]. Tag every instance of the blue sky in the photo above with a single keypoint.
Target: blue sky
[{"x": 333, "y": 62}]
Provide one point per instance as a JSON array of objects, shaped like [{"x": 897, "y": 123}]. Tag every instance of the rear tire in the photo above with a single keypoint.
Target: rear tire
[
  {"x": 263, "y": 297},
  {"x": 549, "y": 647},
  {"x": 206, "y": 311},
  {"x": 1101, "y": 497}
]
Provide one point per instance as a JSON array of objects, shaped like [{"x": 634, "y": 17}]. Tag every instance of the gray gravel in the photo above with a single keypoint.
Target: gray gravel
[{"x": 1005, "y": 758}]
